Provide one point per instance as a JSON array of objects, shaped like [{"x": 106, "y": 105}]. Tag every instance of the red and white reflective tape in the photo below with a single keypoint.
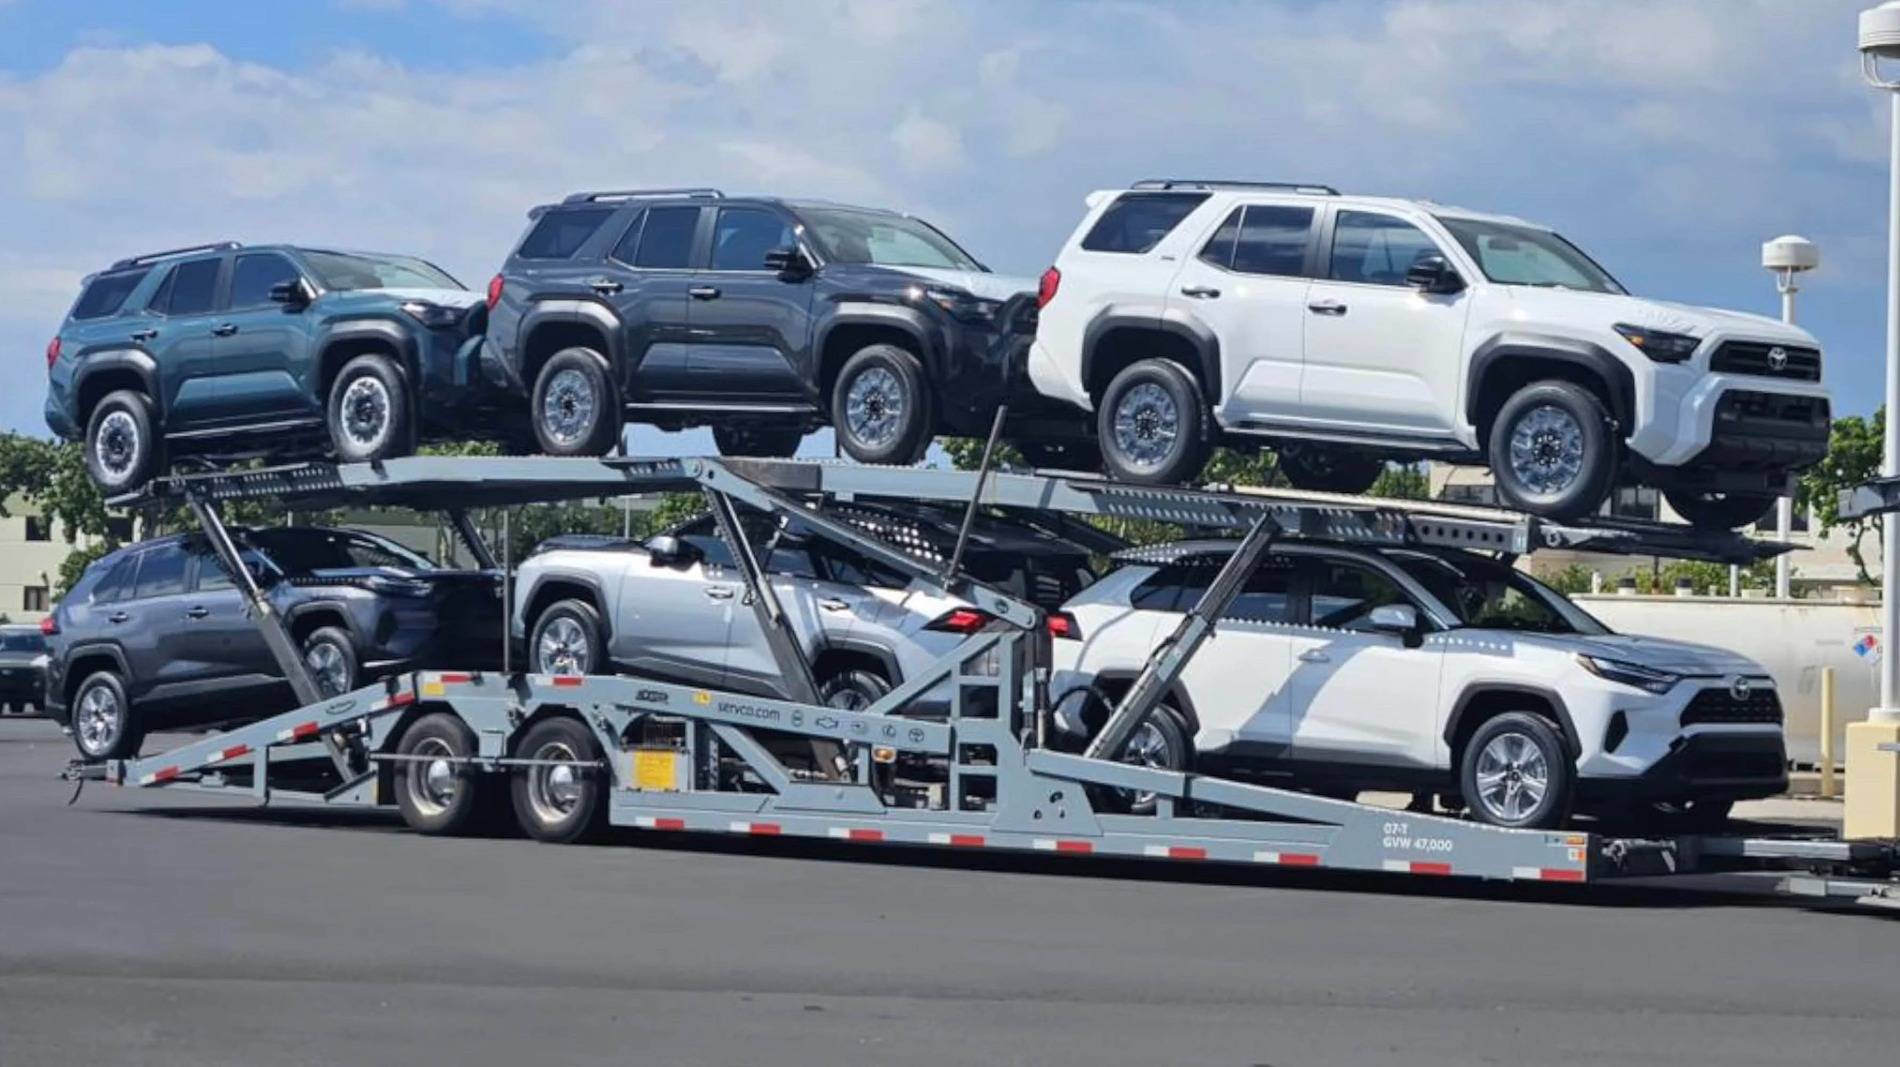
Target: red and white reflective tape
[
  {"x": 303, "y": 731},
  {"x": 1417, "y": 867},
  {"x": 856, "y": 833},
  {"x": 1287, "y": 859},
  {"x": 655, "y": 822},
  {"x": 454, "y": 678},
  {"x": 163, "y": 774},
  {"x": 1175, "y": 852},
  {"x": 1547, "y": 874},
  {"x": 762, "y": 829},
  {"x": 1055, "y": 844},
  {"x": 394, "y": 700},
  {"x": 231, "y": 753},
  {"x": 958, "y": 840},
  {"x": 565, "y": 681}
]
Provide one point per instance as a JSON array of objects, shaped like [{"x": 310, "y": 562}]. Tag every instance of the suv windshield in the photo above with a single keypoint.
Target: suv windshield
[
  {"x": 845, "y": 235},
  {"x": 340, "y": 271},
  {"x": 22, "y": 641},
  {"x": 1491, "y": 596},
  {"x": 299, "y": 552},
  {"x": 1526, "y": 255}
]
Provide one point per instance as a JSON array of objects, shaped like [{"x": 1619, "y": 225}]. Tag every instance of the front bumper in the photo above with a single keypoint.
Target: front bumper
[
  {"x": 1704, "y": 766},
  {"x": 1700, "y": 424},
  {"x": 23, "y": 684}
]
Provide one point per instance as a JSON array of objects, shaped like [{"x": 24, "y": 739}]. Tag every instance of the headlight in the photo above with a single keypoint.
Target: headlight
[
  {"x": 434, "y": 316},
  {"x": 1648, "y": 679},
  {"x": 965, "y": 306},
  {"x": 1658, "y": 345}
]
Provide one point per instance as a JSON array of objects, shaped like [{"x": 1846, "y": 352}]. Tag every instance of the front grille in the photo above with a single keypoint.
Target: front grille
[
  {"x": 1762, "y": 705},
  {"x": 1771, "y": 407},
  {"x": 1719, "y": 766},
  {"x": 1756, "y": 357}
]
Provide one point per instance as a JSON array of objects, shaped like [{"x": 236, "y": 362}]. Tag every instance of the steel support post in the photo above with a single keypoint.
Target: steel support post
[
  {"x": 283, "y": 648},
  {"x": 472, "y": 538}
]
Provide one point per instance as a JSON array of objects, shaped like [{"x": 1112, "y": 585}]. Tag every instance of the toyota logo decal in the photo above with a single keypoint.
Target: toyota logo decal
[
  {"x": 1739, "y": 689},
  {"x": 1777, "y": 359}
]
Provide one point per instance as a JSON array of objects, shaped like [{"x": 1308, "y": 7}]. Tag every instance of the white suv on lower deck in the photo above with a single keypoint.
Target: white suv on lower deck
[
  {"x": 1346, "y": 331},
  {"x": 1342, "y": 668}
]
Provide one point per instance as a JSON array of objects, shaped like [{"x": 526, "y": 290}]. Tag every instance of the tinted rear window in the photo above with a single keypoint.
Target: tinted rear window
[
  {"x": 107, "y": 293},
  {"x": 1136, "y": 222},
  {"x": 561, "y": 233},
  {"x": 666, "y": 241},
  {"x": 22, "y": 641},
  {"x": 162, "y": 572},
  {"x": 192, "y": 288}
]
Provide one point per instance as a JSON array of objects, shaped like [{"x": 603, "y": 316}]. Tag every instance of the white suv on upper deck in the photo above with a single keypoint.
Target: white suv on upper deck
[{"x": 1347, "y": 331}]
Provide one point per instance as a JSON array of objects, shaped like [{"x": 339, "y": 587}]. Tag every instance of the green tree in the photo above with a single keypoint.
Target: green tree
[
  {"x": 1402, "y": 481},
  {"x": 1569, "y": 580},
  {"x": 1853, "y": 458}
]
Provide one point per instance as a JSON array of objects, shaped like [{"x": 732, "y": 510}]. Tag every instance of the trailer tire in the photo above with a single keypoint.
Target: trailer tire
[
  {"x": 1528, "y": 778},
  {"x": 567, "y": 639},
  {"x": 560, "y": 805},
  {"x": 444, "y": 798}
]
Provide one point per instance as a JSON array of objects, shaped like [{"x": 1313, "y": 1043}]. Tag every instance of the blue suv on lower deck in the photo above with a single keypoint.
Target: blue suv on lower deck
[
  {"x": 227, "y": 351},
  {"x": 759, "y": 317}
]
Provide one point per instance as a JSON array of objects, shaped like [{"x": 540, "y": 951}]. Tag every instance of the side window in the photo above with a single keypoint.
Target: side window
[
  {"x": 561, "y": 232},
  {"x": 629, "y": 244},
  {"x": 666, "y": 239},
  {"x": 1344, "y": 594},
  {"x": 852, "y": 568},
  {"x": 712, "y": 549},
  {"x": 1175, "y": 587},
  {"x": 1273, "y": 240},
  {"x": 192, "y": 288},
  {"x": 254, "y": 274},
  {"x": 106, "y": 292},
  {"x": 743, "y": 235},
  {"x": 791, "y": 557},
  {"x": 1268, "y": 594},
  {"x": 161, "y": 573},
  {"x": 1220, "y": 247},
  {"x": 1136, "y": 222},
  {"x": 116, "y": 583},
  {"x": 1376, "y": 249}
]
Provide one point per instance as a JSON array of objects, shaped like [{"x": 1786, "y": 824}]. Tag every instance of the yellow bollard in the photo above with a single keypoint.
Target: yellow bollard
[{"x": 1827, "y": 732}]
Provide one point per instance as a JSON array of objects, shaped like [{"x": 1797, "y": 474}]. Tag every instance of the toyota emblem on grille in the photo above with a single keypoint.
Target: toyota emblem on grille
[
  {"x": 1777, "y": 359},
  {"x": 1739, "y": 689}
]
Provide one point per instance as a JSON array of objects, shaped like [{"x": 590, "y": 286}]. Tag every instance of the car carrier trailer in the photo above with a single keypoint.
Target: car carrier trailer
[{"x": 579, "y": 752}]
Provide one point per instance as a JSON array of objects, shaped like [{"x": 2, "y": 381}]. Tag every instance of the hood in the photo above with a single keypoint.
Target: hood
[
  {"x": 1613, "y": 308},
  {"x": 974, "y": 282},
  {"x": 452, "y": 298},
  {"x": 1663, "y": 654}
]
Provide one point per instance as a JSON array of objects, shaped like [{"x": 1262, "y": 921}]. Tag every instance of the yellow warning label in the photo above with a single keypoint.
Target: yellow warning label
[
  {"x": 433, "y": 689},
  {"x": 702, "y": 697},
  {"x": 656, "y": 770}
]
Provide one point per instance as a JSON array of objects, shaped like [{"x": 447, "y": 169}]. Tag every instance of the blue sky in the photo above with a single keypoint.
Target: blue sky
[{"x": 1669, "y": 138}]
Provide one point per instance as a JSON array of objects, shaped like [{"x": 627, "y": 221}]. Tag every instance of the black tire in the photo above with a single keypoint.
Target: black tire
[
  {"x": 446, "y": 798},
  {"x": 770, "y": 442},
  {"x": 330, "y": 657},
  {"x": 1719, "y": 511},
  {"x": 1163, "y": 743},
  {"x": 368, "y": 411},
  {"x": 1152, "y": 425},
  {"x": 852, "y": 690},
  {"x": 110, "y": 728},
  {"x": 576, "y": 408},
  {"x": 1062, "y": 455},
  {"x": 574, "y": 639},
  {"x": 1324, "y": 470},
  {"x": 1694, "y": 816},
  {"x": 881, "y": 407},
  {"x": 122, "y": 442},
  {"x": 1517, "y": 745},
  {"x": 560, "y": 804},
  {"x": 1565, "y": 452}
]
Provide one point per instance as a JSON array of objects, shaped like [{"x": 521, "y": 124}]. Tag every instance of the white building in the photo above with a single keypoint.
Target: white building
[{"x": 32, "y": 547}]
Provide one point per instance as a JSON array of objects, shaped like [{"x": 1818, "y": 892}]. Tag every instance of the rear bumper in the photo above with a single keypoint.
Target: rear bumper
[{"x": 1699, "y": 767}]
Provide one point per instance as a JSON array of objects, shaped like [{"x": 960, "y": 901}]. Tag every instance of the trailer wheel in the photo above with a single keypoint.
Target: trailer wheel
[
  {"x": 437, "y": 793},
  {"x": 560, "y": 804},
  {"x": 1515, "y": 772}
]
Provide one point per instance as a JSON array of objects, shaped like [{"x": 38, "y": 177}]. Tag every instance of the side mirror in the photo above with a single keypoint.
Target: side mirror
[
  {"x": 1399, "y": 619},
  {"x": 789, "y": 262},
  {"x": 669, "y": 551},
  {"x": 1432, "y": 274},
  {"x": 291, "y": 294}
]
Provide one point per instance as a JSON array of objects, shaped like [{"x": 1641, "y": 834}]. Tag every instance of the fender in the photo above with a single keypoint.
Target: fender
[
  {"x": 75, "y": 654},
  {"x": 1510, "y": 346},
  {"x": 382, "y": 330},
  {"x": 571, "y": 312},
  {"x": 590, "y": 582},
  {"x": 326, "y": 607},
  {"x": 866, "y": 313},
  {"x": 1550, "y": 696},
  {"x": 1177, "y": 696},
  {"x": 1168, "y": 320},
  {"x": 892, "y": 673},
  {"x": 136, "y": 360}
]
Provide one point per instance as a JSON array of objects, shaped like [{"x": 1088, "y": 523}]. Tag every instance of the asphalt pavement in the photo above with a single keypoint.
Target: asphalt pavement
[{"x": 141, "y": 927}]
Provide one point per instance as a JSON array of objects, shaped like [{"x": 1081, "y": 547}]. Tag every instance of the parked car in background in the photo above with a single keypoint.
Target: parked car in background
[
  {"x": 674, "y": 608},
  {"x": 1342, "y": 668},
  {"x": 155, "y": 635},
  {"x": 1346, "y": 331},
  {"x": 759, "y": 317},
  {"x": 22, "y": 668},
  {"x": 224, "y": 351}
]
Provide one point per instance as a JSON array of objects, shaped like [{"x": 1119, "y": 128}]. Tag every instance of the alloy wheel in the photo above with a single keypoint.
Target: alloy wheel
[
  {"x": 874, "y": 407},
  {"x": 564, "y": 648},
  {"x": 366, "y": 412},
  {"x": 116, "y": 445},
  {"x": 568, "y": 407},
  {"x": 1146, "y": 425},
  {"x": 327, "y": 668},
  {"x": 99, "y": 720},
  {"x": 1512, "y": 777},
  {"x": 1547, "y": 449}
]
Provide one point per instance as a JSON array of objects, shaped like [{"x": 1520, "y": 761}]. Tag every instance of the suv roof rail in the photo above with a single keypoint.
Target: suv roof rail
[
  {"x": 153, "y": 257},
  {"x": 705, "y": 192},
  {"x": 1226, "y": 183}
]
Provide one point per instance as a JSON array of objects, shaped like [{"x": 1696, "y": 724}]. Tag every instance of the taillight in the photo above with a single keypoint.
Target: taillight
[
  {"x": 1062, "y": 624},
  {"x": 49, "y": 625},
  {"x": 494, "y": 291},
  {"x": 52, "y": 354},
  {"x": 961, "y": 621},
  {"x": 1046, "y": 289}
]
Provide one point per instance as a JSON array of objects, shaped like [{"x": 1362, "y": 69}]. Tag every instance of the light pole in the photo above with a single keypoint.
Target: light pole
[{"x": 1788, "y": 257}]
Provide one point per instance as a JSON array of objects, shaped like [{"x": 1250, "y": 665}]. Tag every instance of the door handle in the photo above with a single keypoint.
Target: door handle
[
  {"x": 719, "y": 592},
  {"x": 1326, "y": 307},
  {"x": 1201, "y": 292},
  {"x": 224, "y": 329},
  {"x": 703, "y": 292},
  {"x": 1315, "y": 655},
  {"x": 605, "y": 286},
  {"x": 832, "y": 603},
  {"x": 117, "y": 616},
  {"x": 197, "y": 611},
  {"x": 144, "y": 335}
]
